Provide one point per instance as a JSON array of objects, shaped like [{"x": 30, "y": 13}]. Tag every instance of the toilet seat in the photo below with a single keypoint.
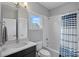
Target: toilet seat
[{"x": 44, "y": 53}]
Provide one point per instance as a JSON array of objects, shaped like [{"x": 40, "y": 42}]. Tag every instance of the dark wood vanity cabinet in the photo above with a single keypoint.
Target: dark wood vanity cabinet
[{"x": 29, "y": 52}]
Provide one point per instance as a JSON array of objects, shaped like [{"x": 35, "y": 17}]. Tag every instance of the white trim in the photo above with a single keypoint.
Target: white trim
[{"x": 53, "y": 50}]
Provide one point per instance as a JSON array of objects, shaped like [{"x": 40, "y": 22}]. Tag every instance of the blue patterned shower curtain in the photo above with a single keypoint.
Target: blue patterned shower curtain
[{"x": 69, "y": 42}]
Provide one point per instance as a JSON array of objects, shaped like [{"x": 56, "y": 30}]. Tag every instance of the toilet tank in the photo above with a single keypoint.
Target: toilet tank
[{"x": 39, "y": 45}]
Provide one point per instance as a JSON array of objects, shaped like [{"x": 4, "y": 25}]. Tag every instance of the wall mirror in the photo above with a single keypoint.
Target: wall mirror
[
  {"x": 8, "y": 21},
  {"x": 14, "y": 19}
]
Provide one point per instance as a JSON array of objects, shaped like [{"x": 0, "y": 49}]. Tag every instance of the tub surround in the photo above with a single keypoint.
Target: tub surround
[{"x": 12, "y": 47}]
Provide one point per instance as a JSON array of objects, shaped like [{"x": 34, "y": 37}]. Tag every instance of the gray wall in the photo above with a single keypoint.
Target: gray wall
[
  {"x": 36, "y": 7},
  {"x": 65, "y": 8},
  {"x": 54, "y": 31},
  {"x": 45, "y": 31},
  {"x": 8, "y": 11},
  {"x": 22, "y": 23},
  {"x": 22, "y": 13},
  {"x": 35, "y": 35}
]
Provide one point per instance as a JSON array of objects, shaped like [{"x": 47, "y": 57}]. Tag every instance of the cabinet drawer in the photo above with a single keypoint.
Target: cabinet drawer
[{"x": 23, "y": 52}]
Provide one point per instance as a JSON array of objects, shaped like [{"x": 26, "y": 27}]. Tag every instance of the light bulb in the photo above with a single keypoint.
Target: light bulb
[
  {"x": 22, "y": 4},
  {"x": 25, "y": 3}
]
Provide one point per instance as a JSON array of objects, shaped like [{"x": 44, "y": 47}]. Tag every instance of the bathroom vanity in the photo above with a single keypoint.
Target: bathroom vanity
[{"x": 21, "y": 49}]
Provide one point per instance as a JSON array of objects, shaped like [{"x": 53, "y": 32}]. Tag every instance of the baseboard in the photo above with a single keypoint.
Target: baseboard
[{"x": 53, "y": 50}]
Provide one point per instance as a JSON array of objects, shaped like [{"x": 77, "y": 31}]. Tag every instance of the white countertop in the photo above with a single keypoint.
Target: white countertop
[{"x": 12, "y": 47}]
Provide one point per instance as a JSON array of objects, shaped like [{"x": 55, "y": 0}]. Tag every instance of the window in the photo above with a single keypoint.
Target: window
[{"x": 36, "y": 21}]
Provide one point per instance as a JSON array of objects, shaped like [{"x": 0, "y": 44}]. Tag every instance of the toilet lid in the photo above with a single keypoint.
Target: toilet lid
[{"x": 44, "y": 52}]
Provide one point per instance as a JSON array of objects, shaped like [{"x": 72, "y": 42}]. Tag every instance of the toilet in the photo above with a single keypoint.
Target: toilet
[{"x": 41, "y": 51}]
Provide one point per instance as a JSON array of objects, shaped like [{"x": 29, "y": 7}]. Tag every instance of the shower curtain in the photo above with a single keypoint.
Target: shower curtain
[{"x": 69, "y": 42}]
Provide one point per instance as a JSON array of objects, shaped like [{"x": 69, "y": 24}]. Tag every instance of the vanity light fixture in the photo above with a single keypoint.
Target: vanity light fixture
[
  {"x": 22, "y": 4},
  {"x": 17, "y": 5},
  {"x": 25, "y": 4}
]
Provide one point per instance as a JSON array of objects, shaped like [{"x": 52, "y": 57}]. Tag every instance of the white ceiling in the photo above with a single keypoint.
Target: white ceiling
[{"x": 51, "y": 5}]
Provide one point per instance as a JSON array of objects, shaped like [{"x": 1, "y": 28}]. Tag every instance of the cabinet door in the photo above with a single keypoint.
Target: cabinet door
[{"x": 32, "y": 54}]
